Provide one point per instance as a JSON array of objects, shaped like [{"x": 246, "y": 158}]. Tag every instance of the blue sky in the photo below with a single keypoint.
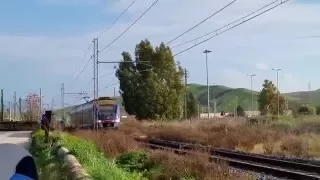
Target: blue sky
[{"x": 43, "y": 42}]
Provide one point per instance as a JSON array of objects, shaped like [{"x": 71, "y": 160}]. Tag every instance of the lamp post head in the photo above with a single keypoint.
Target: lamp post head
[
  {"x": 251, "y": 75},
  {"x": 206, "y": 51},
  {"x": 276, "y": 69}
]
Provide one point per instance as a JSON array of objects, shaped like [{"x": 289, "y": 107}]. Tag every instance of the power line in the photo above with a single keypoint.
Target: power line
[
  {"x": 117, "y": 19},
  {"x": 81, "y": 71},
  {"x": 83, "y": 58},
  {"x": 129, "y": 26},
  {"x": 108, "y": 74},
  {"x": 225, "y": 25},
  {"x": 232, "y": 27},
  {"x": 202, "y": 21}
]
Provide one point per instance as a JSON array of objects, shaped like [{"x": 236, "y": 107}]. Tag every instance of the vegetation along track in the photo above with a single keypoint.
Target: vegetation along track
[{"x": 283, "y": 168}]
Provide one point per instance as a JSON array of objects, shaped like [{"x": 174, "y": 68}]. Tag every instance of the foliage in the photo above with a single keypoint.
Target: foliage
[
  {"x": 136, "y": 161},
  {"x": 318, "y": 110},
  {"x": 49, "y": 166},
  {"x": 240, "y": 111},
  {"x": 33, "y": 107},
  {"x": 304, "y": 110},
  {"x": 192, "y": 105},
  {"x": 151, "y": 85},
  {"x": 268, "y": 99}
]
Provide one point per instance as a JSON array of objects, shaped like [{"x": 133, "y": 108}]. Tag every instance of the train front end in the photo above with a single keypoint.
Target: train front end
[{"x": 108, "y": 114}]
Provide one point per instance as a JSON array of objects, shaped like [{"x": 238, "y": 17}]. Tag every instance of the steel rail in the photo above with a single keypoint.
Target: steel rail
[{"x": 262, "y": 164}]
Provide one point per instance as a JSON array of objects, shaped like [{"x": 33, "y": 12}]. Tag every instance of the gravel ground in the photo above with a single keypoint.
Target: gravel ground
[{"x": 257, "y": 176}]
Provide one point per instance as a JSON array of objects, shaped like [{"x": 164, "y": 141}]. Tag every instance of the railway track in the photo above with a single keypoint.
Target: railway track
[{"x": 288, "y": 168}]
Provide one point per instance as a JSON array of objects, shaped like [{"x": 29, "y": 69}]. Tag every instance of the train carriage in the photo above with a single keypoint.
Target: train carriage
[{"x": 107, "y": 112}]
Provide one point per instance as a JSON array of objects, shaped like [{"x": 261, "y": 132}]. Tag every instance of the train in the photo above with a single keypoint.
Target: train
[{"x": 106, "y": 110}]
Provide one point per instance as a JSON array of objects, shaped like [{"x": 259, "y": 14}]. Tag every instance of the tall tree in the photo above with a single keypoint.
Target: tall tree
[
  {"x": 151, "y": 86},
  {"x": 240, "y": 111},
  {"x": 268, "y": 99},
  {"x": 192, "y": 106}
]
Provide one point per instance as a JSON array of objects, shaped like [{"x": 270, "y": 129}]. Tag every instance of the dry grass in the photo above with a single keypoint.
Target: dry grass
[
  {"x": 277, "y": 138},
  {"x": 195, "y": 165},
  {"x": 298, "y": 139},
  {"x": 113, "y": 143}
]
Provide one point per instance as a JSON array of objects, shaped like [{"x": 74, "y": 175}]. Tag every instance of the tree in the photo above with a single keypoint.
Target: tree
[
  {"x": 304, "y": 110},
  {"x": 268, "y": 99},
  {"x": 240, "y": 111},
  {"x": 151, "y": 86},
  {"x": 33, "y": 107},
  {"x": 318, "y": 110},
  {"x": 192, "y": 105}
]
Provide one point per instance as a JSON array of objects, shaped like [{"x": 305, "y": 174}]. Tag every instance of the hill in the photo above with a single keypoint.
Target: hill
[
  {"x": 306, "y": 96},
  {"x": 226, "y": 96}
]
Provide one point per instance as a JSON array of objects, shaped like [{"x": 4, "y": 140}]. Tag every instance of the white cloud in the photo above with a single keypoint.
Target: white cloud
[
  {"x": 271, "y": 38},
  {"x": 262, "y": 66}
]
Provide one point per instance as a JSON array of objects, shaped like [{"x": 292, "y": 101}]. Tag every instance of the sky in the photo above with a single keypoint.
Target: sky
[{"x": 44, "y": 43}]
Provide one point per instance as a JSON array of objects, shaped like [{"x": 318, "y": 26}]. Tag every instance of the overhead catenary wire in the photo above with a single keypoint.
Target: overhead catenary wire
[
  {"x": 212, "y": 15},
  {"x": 216, "y": 30},
  {"x": 117, "y": 19},
  {"x": 232, "y": 27},
  {"x": 154, "y": 3},
  {"x": 83, "y": 60},
  {"x": 82, "y": 70}
]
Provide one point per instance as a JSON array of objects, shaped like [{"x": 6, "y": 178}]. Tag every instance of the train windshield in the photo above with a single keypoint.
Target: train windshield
[{"x": 106, "y": 113}]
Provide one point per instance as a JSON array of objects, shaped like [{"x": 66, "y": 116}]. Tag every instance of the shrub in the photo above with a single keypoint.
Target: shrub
[{"x": 133, "y": 161}]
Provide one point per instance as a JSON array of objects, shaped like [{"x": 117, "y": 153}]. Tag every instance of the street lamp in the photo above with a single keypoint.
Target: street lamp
[
  {"x": 277, "y": 70},
  {"x": 214, "y": 100},
  {"x": 207, "y": 52},
  {"x": 251, "y": 76}
]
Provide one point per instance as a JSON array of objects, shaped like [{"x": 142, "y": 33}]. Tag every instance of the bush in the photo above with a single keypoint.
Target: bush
[
  {"x": 318, "y": 110},
  {"x": 132, "y": 161},
  {"x": 304, "y": 110}
]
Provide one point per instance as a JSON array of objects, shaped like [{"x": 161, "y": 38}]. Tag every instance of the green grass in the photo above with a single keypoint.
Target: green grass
[
  {"x": 49, "y": 167},
  {"x": 94, "y": 161}
]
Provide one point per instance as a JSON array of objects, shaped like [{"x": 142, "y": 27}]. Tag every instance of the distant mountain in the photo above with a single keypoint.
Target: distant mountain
[
  {"x": 312, "y": 97},
  {"x": 226, "y": 96}
]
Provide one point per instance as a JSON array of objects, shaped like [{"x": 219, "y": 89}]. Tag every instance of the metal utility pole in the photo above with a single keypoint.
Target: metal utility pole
[
  {"x": 94, "y": 82},
  {"x": 2, "y": 106},
  {"x": 207, "y": 52},
  {"x": 278, "y": 92},
  {"x": 251, "y": 77},
  {"x": 9, "y": 111},
  {"x": 14, "y": 105},
  {"x": 185, "y": 93},
  {"x": 62, "y": 101},
  {"x": 114, "y": 92},
  {"x": 40, "y": 113},
  {"x": 20, "y": 108},
  {"x": 214, "y": 101},
  {"x": 97, "y": 73},
  {"x": 62, "y": 98}
]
